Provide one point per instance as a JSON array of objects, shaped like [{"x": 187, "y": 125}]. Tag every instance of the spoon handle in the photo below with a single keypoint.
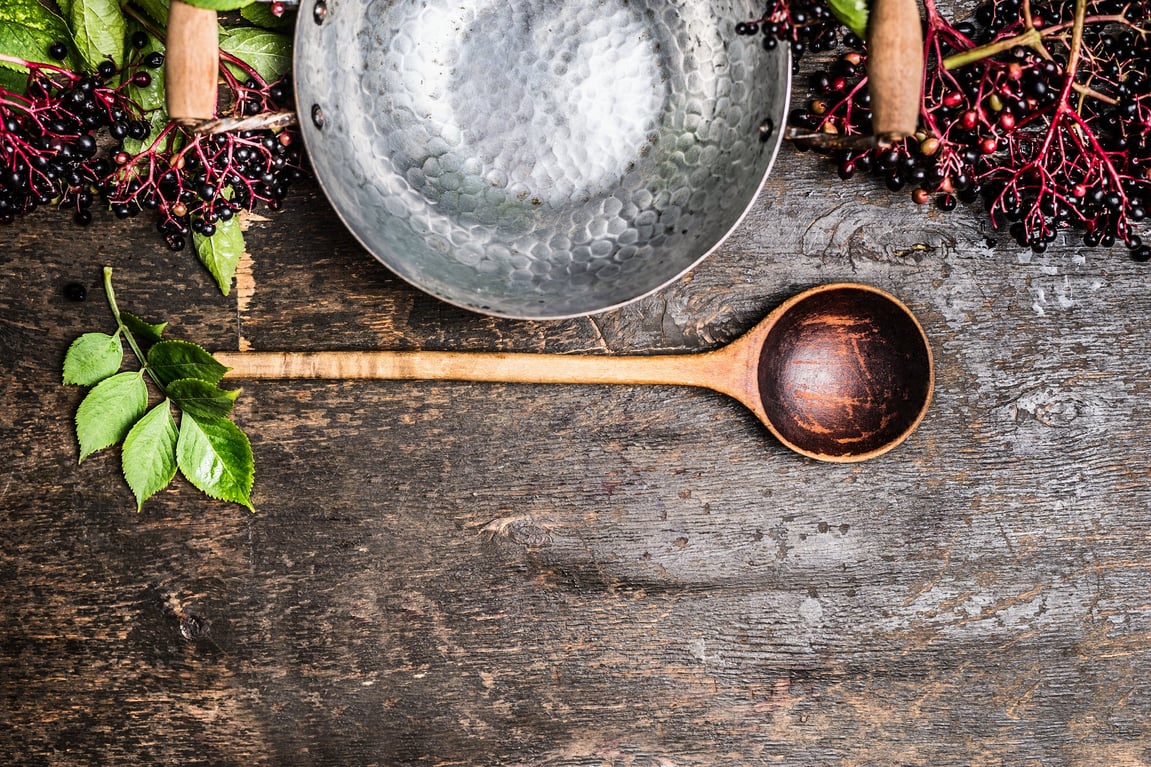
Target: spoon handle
[{"x": 672, "y": 369}]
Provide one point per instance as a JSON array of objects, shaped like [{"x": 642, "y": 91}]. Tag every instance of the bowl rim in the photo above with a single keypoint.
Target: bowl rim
[{"x": 776, "y": 139}]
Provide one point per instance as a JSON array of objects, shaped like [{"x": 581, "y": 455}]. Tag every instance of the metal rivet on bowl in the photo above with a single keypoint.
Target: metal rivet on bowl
[
  {"x": 766, "y": 128},
  {"x": 317, "y": 116},
  {"x": 320, "y": 11}
]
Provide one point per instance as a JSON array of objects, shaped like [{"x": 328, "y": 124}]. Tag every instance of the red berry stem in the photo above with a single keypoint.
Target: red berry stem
[{"x": 1039, "y": 108}]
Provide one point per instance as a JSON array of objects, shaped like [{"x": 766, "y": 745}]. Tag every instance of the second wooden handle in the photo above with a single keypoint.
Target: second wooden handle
[
  {"x": 895, "y": 67},
  {"x": 192, "y": 63}
]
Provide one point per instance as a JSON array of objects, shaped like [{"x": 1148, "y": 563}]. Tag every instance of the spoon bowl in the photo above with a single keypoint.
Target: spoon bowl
[
  {"x": 840, "y": 372},
  {"x": 845, "y": 373}
]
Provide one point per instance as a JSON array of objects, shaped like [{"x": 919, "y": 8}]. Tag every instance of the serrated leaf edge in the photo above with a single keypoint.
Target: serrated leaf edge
[
  {"x": 251, "y": 479},
  {"x": 76, "y": 417},
  {"x": 75, "y": 345},
  {"x": 181, "y": 342},
  {"x": 166, "y": 405},
  {"x": 233, "y": 394}
]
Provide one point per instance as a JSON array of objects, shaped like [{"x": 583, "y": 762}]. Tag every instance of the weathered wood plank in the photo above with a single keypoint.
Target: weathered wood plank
[{"x": 525, "y": 575}]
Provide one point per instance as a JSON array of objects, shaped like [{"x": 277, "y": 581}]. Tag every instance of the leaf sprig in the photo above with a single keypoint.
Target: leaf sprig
[{"x": 205, "y": 446}]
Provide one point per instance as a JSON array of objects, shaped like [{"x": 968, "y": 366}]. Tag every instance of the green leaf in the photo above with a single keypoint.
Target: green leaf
[
  {"x": 220, "y": 5},
  {"x": 149, "y": 454},
  {"x": 269, "y": 53},
  {"x": 92, "y": 357},
  {"x": 98, "y": 26},
  {"x": 27, "y": 30},
  {"x": 157, "y": 10},
  {"x": 221, "y": 252},
  {"x": 216, "y": 456},
  {"x": 141, "y": 330},
  {"x": 109, "y": 410},
  {"x": 261, "y": 15},
  {"x": 150, "y": 97},
  {"x": 12, "y": 80},
  {"x": 852, "y": 14},
  {"x": 201, "y": 399},
  {"x": 172, "y": 360}
]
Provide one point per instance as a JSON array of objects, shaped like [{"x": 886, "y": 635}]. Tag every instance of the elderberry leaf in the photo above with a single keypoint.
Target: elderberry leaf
[
  {"x": 261, "y": 15},
  {"x": 269, "y": 53},
  {"x": 149, "y": 455},
  {"x": 143, "y": 331},
  {"x": 27, "y": 30},
  {"x": 109, "y": 410},
  {"x": 172, "y": 360},
  {"x": 216, "y": 457},
  {"x": 151, "y": 96},
  {"x": 221, "y": 252},
  {"x": 220, "y": 5},
  {"x": 201, "y": 399},
  {"x": 91, "y": 358},
  {"x": 99, "y": 28},
  {"x": 157, "y": 10},
  {"x": 852, "y": 14}
]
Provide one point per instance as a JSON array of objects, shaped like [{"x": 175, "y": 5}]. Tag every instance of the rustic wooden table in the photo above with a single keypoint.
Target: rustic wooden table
[{"x": 485, "y": 574}]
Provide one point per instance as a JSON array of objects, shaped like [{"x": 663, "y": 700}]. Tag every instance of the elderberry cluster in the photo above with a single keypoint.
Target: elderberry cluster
[
  {"x": 62, "y": 143},
  {"x": 1006, "y": 122},
  {"x": 50, "y": 139},
  {"x": 805, "y": 25},
  {"x": 195, "y": 181}
]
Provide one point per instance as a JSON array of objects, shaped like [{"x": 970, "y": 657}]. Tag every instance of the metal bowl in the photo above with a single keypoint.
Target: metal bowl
[{"x": 538, "y": 159}]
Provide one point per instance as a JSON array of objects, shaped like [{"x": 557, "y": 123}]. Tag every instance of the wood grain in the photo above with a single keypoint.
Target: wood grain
[
  {"x": 193, "y": 62},
  {"x": 499, "y": 574}
]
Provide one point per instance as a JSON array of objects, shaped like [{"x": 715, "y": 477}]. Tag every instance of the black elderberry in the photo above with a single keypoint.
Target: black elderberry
[
  {"x": 75, "y": 291},
  {"x": 139, "y": 39},
  {"x": 945, "y": 202},
  {"x": 154, "y": 60},
  {"x": 279, "y": 93},
  {"x": 86, "y": 145},
  {"x": 1019, "y": 234},
  {"x": 58, "y": 51},
  {"x": 106, "y": 69}
]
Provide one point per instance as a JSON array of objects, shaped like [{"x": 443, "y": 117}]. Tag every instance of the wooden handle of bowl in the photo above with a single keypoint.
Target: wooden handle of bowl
[
  {"x": 192, "y": 62},
  {"x": 895, "y": 67}
]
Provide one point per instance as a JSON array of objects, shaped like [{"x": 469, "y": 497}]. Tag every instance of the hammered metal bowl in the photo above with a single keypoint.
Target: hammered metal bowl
[{"x": 539, "y": 159}]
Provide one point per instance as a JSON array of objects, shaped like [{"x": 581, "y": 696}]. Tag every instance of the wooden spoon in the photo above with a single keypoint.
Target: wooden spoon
[{"x": 841, "y": 372}]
